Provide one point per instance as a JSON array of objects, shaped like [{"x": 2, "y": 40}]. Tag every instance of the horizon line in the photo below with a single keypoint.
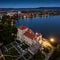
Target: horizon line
[{"x": 30, "y": 7}]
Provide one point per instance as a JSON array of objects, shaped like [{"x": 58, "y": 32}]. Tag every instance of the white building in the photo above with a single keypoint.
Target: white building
[
  {"x": 35, "y": 41},
  {"x": 24, "y": 34},
  {"x": 11, "y": 13}
]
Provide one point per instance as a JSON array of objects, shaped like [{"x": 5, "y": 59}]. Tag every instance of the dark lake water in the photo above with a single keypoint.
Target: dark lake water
[{"x": 48, "y": 27}]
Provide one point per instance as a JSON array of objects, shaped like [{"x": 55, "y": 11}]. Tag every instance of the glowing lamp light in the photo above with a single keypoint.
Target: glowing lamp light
[{"x": 52, "y": 40}]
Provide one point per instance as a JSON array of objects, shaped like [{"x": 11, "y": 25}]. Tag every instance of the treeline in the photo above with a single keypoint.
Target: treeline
[{"x": 8, "y": 29}]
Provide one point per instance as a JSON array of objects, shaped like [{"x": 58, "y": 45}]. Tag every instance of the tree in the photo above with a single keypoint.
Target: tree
[{"x": 8, "y": 31}]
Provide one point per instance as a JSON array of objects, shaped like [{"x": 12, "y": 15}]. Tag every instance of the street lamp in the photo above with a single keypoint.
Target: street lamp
[{"x": 52, "y": 40}]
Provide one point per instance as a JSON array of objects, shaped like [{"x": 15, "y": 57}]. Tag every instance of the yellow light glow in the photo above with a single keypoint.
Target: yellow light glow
[
  {"x": 52, "y": 40},
  {"x": 44, "y": 43}
]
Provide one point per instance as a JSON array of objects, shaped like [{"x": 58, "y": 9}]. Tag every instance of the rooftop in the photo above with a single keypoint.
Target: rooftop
[
  {"x": 22, "y": 27},
  {"x": 29, "y": 34}
]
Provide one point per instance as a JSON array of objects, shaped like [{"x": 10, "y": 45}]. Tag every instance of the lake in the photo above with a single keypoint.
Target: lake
[{"x": 47, "y": 26}]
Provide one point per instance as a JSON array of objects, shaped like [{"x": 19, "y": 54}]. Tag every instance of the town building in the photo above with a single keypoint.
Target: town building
[
  {"x": 11, "y": 13},
  {"x": 2, "y": 13},
  {"x": 26, "y": 35}
]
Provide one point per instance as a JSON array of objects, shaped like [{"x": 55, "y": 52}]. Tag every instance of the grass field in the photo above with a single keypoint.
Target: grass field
[{"x": 12, "y": 50}]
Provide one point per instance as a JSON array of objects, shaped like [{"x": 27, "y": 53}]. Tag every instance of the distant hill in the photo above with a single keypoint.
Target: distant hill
[
  {"x": 55, "y": 8},
  {"x": 27, "y": 9}
]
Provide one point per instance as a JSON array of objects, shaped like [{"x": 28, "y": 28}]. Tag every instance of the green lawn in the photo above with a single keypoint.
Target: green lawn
[
  {"x": 14, "y": 43},
  {"x": 3, "y": 50},
  {"x": 24, "y": 46},
  {"x": 21, "y": 58},
  {"x": 10, "y": 58},
  {"x": 56, "y": 53},
  {"x": 12, "y": 51},
  {"x": 38, "y": 56},
  {"x": 26, "y": 56},
  {"x": 8, "y": 46}
]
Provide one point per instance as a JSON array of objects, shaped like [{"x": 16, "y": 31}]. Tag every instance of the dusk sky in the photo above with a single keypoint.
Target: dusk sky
[{"x": 29, "y": 3}]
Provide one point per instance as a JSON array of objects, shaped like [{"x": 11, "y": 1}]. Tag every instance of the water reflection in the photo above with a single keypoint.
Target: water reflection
[{"x": 49, "y": 26}]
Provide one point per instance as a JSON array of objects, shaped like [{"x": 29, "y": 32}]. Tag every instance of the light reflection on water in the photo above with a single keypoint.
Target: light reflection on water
[{"x": 48, "y": 26}]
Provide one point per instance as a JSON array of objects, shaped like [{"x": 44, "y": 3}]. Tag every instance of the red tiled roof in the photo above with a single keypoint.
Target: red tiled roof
[
  {"x": 29, "y": 34},
  {"x": 23, "y": 14},
  {"x": 22, "y": 27}
]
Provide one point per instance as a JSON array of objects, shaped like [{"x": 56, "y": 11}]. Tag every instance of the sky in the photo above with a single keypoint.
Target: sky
[{"x": 29, "y": 3}]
